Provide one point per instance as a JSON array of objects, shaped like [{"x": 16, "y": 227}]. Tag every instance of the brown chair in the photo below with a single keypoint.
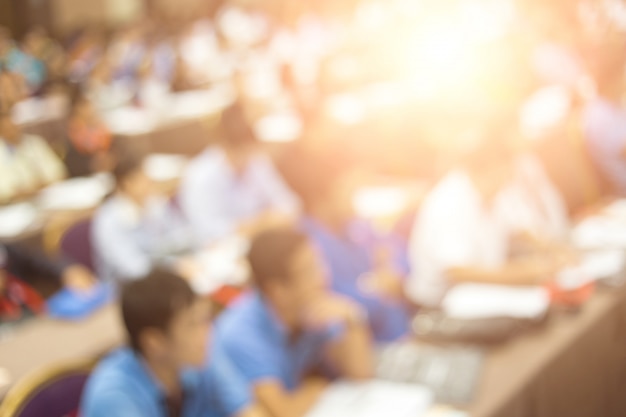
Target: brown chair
[{"x": 54, "y": 392}]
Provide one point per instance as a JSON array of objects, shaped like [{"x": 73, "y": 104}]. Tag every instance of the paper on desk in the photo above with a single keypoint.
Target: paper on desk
[
  {"x": 594, "y": 266},
  {"x": 599, "y": 232},
  {"x": 192, "y": 104},
  {"x": 130, "y": 121},
  {"x": 17, "y": 219},
  {"x": 279, "y": 127},
  {"x": 479, "y": 301},
  {"x": 165, "y": 167},
  {"x": 76, "y": 193},
  {"x": 373, "y": 399},
  {"x": 222, "y": 264}
]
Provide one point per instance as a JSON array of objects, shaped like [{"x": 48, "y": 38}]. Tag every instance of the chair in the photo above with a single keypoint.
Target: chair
[
  {"x": 55, "y": 392},
  {"x": 76, "y": 244}
]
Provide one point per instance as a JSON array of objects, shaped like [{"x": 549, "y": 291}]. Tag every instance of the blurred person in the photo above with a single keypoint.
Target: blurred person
[
  {"x": 40, "y": 45},
  {"x": 104, "y": 92},
  {"x": 136, "y": 229},
  {"x": 84, "y": 53},
  {"x": 604, "y": 116},
  {"x": 12, "y": 89},
  {"x": 15, "y": 59},
  {"x": 21, "y": 267},
  {"x": 466, "y": 225},
  {"x": 27, "y": 163},
  {"x": 127, "y": 51},
  {"x": 89, "y": 144},
  {"x": 160, "y": 372},
  {"x": 292, "y": 326},
  {"x": 362, "y": 264},
  {"x": 232, "y": 187}
]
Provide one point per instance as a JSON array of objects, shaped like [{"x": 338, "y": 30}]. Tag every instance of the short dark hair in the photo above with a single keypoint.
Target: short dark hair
[
  {"x": 313, "y": 174},
  {"x": 152, "y": 302},
  {"x": 270, "y": 253},
  {"x": 127, "y": 163},
  {"x": 235, "y": 127}
]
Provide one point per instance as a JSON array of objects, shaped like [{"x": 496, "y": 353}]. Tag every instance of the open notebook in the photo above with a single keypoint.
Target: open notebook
[{"x": 373, "y": 399}]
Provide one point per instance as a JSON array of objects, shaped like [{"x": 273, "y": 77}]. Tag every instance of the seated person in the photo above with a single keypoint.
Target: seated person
[
  {"x": 604, "y": 118},
  {"x": 466, "y": 225},
  {"x": 27, "y": 163},
  {"x": 161, "y": 372},
  {"x": 232, "y": 187},
  {"x": 291, "y": 325},
  {"x": 136, "y": 229},
  {"x": 89, "y": 141},
  {"x": 19, "y": 267},
  {"x": 349, "y": 247}
]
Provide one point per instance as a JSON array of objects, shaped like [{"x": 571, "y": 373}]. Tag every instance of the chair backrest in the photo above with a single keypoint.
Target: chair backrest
[
  {"x": 76, "y": 244},
  {"x": 53, "y": 393}
]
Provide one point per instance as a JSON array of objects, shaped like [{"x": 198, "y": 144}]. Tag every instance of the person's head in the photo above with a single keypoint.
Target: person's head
[
  {"x": 237, "y": 137},
  {"x": 490, "y": 162},
  {"x": 165, "y": 321},
  {"x": 287, "y": 270},
  {"x": 131, "y": 178},
  {"x": 9, "y": 131},
  {"x": 323, "y": 182}
]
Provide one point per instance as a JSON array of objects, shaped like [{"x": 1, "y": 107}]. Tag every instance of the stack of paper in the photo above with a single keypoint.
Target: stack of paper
[
  {"x": 373, "y": 399},
  {"x": 17, "y": 219},
  {"x": 480, "y": 301},
  {"x": 75, "y": 194},
  {"x": 595, "y": 266},
  {"x": 165, "y": 167},
  {"x": 130, "y": 121}
]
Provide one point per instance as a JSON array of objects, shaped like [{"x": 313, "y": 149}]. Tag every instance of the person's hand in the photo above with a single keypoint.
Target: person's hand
[
  {"x": 78, "y": 278},
  {"x": 382, "y": 282},
  {"x": 331, "y": 309}
]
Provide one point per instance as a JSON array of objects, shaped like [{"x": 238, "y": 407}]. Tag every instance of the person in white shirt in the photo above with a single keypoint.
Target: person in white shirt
[
  {"x": 232, "y": 187},
  {"x": 27, "y": 163},
  {"x": 136, "y": 230},
  {"x": 466, "y": 225}
]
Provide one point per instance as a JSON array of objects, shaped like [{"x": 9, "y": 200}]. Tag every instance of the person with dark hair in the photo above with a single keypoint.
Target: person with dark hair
[
  {"x": 292, "y": 326},
  {"x": 164, "y": 370},
  {"x": 232, "y": 186},
  {"x": 27, "y": 163},
  {"x": 136, "y": 229},
  {"x": 349, "y": 247},
  {"x": 89, "y": 139}
]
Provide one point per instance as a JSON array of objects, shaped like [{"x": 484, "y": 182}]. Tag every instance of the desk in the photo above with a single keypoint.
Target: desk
[
  {"x": 42, "y": 342},
  {"x": 574, "y": 367}
]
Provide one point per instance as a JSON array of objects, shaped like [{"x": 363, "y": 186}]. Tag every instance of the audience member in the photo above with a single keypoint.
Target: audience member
[
  {"x": 89, "y": 141},
  {"x": 291, "y": 326},
  {"x": 232, "y": 186},
  {"x": 160, "y": 372},
  {"x": 27, "y": 163},
  {"x": 136, "y": 230},
  {"x": 350, "y": 248}
]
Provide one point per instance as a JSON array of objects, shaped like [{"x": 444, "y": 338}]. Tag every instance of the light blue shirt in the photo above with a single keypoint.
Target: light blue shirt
[
  {"x": 347, "y": 258},
  {"x": 122, "y": 385},
  {"x": 216, "y": 201},
  {"x": 255, "y": 340},
  {"x": 605, "y": 133},
  {"x": 129, "y": 241}
]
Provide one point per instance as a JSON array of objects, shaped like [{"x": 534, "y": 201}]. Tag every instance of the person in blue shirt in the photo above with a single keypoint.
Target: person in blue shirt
[
  {"x": 363, "y": 265},
  {"x": 160, "y": 373},
  {"x": 291, "y": 327}
]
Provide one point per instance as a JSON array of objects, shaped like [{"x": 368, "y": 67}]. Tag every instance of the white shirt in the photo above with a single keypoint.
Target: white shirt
[
  {"x": 28, "y": 166},
  {"x": 128, "y": 241},
  {"x": 216, "y": 201},
  {"x": 455, "y": 228}
]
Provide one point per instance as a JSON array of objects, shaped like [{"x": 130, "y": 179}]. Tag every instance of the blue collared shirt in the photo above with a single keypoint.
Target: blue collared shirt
[
  {"x": 347, "y": 258},
  {"x": 256, "y": 341},
  {"x": 123, "y": 386}
]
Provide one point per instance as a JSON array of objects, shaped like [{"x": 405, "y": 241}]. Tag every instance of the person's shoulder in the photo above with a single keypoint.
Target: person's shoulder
[
  {"x": 113, "y": 378},
  {"x": 241, "y": 322}
]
